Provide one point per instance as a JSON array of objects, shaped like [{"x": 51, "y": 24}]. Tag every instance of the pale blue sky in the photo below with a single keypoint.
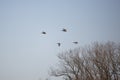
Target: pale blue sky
[{"x": 26, "y": 54}]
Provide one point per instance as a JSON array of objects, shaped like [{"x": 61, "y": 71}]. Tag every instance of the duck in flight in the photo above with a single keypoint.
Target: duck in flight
[
  {"x": 43, "y": 32},
  {"x": 59, "y": 44},
  {"x": 75, "y": 42},
  {"x": 64, "y": 30}
]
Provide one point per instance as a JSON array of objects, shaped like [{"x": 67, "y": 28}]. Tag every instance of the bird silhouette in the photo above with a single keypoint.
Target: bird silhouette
[
  {"x": 43, "y": 32},
  {"x": 59, "y": 44},
  {"x": 75, "y": 42},
  {"x": 64, "y": 30}
]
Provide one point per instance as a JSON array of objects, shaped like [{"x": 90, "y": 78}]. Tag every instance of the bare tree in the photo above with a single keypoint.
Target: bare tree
[{"x": 99, "y": 61}]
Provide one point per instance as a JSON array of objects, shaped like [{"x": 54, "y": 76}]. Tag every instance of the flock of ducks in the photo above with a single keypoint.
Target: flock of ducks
[{"x": 64, "y": 30}]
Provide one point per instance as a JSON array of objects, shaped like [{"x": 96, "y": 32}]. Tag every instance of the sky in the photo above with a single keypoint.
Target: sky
[{"x": 26, "y": 54}]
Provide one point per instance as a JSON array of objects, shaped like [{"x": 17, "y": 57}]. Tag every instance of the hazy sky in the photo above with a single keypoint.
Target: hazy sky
[{"x": 26, "y": 54}]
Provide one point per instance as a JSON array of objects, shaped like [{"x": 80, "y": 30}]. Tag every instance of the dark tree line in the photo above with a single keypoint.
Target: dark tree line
[{"x": 98, "y": 61}]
